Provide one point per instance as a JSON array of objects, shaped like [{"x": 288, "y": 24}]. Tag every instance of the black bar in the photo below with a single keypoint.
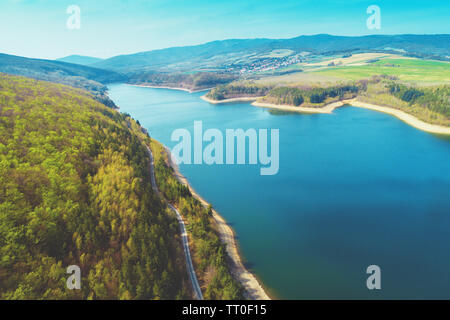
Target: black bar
[{"x": 278, "y": 309}]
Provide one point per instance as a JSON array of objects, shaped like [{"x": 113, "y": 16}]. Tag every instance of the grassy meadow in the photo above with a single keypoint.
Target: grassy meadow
[{"x": 417, "y": 71}]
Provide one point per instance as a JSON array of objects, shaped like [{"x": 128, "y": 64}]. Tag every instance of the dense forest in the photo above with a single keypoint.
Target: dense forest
[
  {"x": 239, "y": 89},
  {"x": 190, "y": 81},
  {"x": 75, "y": 190},
  {"x": 436, "y": 99},
  {"x": 310, "y": 97},
  {"x": 209, "y": 255}
]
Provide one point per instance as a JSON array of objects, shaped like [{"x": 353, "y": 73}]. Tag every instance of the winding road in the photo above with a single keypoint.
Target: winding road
[{"x": 184, "y": 237}]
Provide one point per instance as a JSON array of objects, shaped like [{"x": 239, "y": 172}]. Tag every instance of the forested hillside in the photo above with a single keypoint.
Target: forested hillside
[
  {"x": 239, "y": 89},
  {"x": 75, "y": 190},
  {"x": 78, "y": 76},
  {"x": 190, "y": 81},
  {"x": 57, "y": 69}
]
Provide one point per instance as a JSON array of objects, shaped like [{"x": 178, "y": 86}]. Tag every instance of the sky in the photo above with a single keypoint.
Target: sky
[{"x": 38, "y": 28}]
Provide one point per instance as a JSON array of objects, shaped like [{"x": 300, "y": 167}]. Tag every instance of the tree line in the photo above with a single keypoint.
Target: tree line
[
  {"x": 191, "y": 81},
  {"x": 288, "y": 95},
  {"x": 435, "y": 99}
]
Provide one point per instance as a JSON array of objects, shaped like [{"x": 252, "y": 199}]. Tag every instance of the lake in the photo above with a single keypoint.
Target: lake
[{"x": 354, "y": 188}]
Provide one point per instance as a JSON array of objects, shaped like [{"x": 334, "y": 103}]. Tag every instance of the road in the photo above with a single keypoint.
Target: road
[
  {"x": 253, "y": 289},
  {"x": 184, "y": 237}
]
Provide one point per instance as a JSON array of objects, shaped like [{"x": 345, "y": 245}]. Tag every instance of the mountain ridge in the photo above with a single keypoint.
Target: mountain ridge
[{"x": 436, "y": 46}]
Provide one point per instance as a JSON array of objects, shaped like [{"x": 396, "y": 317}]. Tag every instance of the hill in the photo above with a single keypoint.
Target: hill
[
  {"x": 219, "y": 55},
  {"x": 54, "y": 69},
  {"x": 77, "y": 59},
  {"x": 75, "y": 190},
  {"x": 78, "y": 76}
]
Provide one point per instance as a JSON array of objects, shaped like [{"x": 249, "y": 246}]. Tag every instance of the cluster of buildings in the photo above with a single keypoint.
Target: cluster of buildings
[{"x": 265, "y": 64}]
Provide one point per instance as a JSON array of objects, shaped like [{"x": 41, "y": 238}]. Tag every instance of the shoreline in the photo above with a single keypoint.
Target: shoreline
[
  {"x": 254, "y": 289},
  {"x": 402, "y": 115},
  {"x": 329, "y": 108},
  {"x": 325, "y": 109},
  {"x": 243, "y": 99},
  {"x": 170, "y": 88}
]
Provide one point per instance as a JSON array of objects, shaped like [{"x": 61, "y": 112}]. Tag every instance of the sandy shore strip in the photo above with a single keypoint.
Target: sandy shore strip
[
  {"x": 242, "y": 99},
  {"x": 325, "y": 109},
  {"x": 409, "y": 119},
  {"x": 254, "y": 290},
  {"x": 170, "y": 88}
]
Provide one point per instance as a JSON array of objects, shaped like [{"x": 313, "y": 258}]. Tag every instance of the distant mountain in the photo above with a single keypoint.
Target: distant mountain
[
  {"x": 77, "y": 59},
  {"x": 213, "y": 55},
  {"x": 153, "y": 60},
  {"x": 75, "y": 75},
  {"x": 48, "y": 69}
]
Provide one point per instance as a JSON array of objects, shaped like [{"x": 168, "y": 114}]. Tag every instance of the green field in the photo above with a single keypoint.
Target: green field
[{"x": 425, "y": 72}]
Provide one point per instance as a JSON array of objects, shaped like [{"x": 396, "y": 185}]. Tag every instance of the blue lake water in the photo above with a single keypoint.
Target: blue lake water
[{"x": 354, "y": 188}]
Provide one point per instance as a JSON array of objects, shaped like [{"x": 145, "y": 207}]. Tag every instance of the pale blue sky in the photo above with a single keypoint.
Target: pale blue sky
[{"x": 37, "y": 28}]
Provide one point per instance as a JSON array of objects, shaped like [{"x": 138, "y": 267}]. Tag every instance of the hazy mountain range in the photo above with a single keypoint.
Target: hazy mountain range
[{"x": 217, "y": 53}]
